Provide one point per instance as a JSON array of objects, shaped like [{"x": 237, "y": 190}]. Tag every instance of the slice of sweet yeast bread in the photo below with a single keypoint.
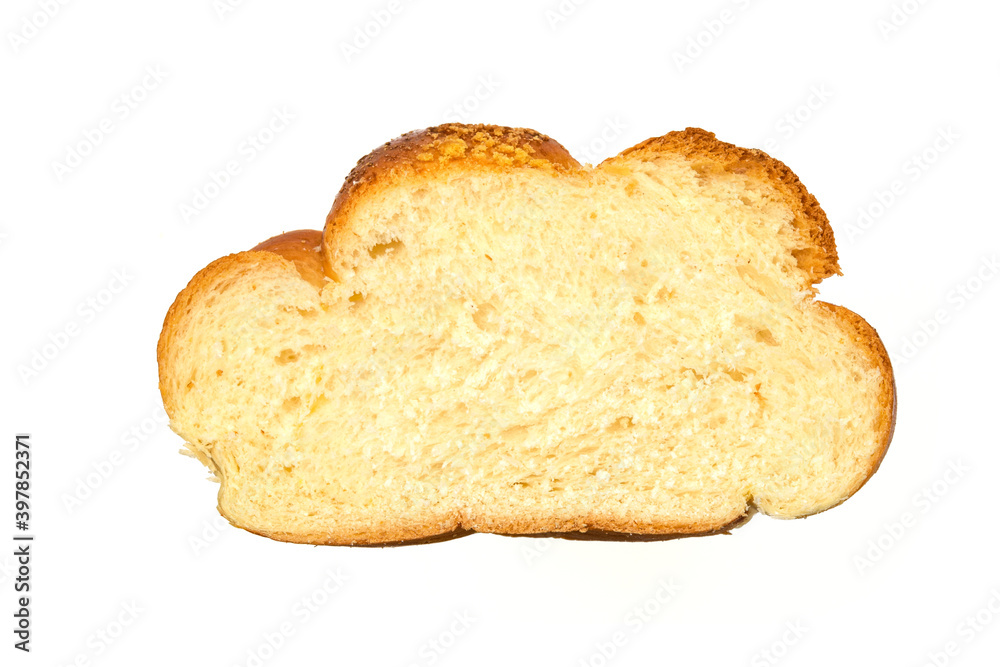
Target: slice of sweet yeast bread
[{"x": 490, "y": 337}]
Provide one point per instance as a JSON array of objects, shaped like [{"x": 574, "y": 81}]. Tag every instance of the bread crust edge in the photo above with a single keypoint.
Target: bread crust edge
[
  {"x": 819, "y": 256},
  {"x": 871, "y": 342}
]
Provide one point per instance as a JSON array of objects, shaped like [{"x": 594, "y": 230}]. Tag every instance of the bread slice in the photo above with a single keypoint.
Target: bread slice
[{"x": 490, "y": 337}]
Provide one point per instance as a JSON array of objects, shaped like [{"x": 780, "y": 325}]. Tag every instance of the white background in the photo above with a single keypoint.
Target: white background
[{"x": 890, "y": 577}]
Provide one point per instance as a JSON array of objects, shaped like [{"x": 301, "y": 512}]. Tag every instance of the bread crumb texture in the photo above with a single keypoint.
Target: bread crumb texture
[{"x": 488, "y": 336}]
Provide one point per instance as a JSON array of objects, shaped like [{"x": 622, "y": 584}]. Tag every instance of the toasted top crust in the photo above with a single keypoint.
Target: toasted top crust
[
  {"x": 501, "y": 148},
  {"x": 710, "y": 155},
  {"x": 303, "y": 248},
  {"x": 471, "y": 146}
]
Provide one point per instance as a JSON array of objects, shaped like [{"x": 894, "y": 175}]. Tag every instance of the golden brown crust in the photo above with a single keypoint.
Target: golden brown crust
[
  {"x": 865, "y": 336},
  {"x": 175, "y": 322},
  {"x": 501, "y": 148},
  {"x": 818, "y": 255},
  {"x": 303, "y": 248},
  {"x": 384, "y": 540},
  {"x": 455, "y": 524},
  {"x": 173, "y": 327},
  {"x": 626, "y": 536},
  {"x": 389, "y": 540},
  {"x": 436, "y": 148},
  {"x": 429, "y": 533}
]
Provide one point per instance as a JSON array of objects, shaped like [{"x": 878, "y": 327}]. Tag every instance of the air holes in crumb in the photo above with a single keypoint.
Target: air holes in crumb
[
  {"x": 765, "y": 336},
  {"x": 644, "y": 263},
  {"x": 357, "y": 297},
  {"x": 749, "y": 274},
  {"x": 219, "y": 372},
  {"x": 514, "y": 435},
  {"x": 486, "y": 317},
  {"x": 639, "y": 319},
  {"x": 738, "y": 376},
  {"x": 380, "y": 249},
  {"x": 287, "y": 356},
  {"x": 301, "y": 312},
  {"x": 620, "y": 424},
  {"x": 291, "y": 404},
  {"x": 664, "y": 294}
]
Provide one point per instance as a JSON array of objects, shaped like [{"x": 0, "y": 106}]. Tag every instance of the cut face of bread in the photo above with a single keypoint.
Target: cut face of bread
[{"x": 490, "y": 337}]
